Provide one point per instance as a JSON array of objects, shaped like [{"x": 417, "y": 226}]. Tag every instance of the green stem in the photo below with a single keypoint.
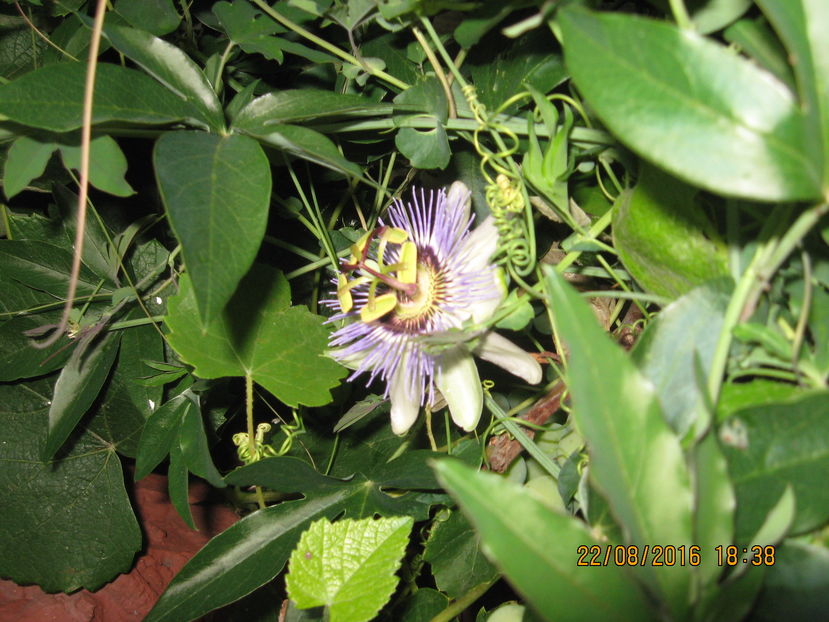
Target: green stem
[
  {"x": 352, "y": 60},
  {"x": 463, "y": 603},
  {"x": 251, "y": 432},
  {"x": 767, "y": 259},
  {"x": 681, "y": 16},
  {"x": 141, "y": 321},
  {"x": 217, "y": 87},
  {"x": 526, "y": 442}
]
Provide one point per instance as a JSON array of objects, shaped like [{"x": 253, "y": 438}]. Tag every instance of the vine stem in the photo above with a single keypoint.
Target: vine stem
[
  {"x": 681, "y": 16},
  {"x": 766, "y": 261},
  {"x": 465, "y": 601},
  {"x": 83, "y": 189},
  {"x": 378, "y": 73},
  {"x": 260, "y": 499}
]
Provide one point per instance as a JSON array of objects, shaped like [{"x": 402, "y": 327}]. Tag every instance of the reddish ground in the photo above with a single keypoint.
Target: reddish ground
[{"x": 169, "y": 544}]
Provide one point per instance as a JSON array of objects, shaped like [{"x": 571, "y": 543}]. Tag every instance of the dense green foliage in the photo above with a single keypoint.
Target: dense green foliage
[{"x": 665, "y": 161}]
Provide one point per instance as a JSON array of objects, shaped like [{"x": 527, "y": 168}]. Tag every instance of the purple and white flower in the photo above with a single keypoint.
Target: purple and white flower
[{"x": 422, "y": 274}]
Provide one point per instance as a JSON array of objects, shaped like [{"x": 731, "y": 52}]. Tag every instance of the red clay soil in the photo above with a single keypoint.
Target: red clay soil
[{"x": 169, "y": 543}]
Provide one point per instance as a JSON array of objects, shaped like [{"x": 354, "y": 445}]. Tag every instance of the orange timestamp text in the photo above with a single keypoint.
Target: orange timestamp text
[{"x": 670, "y": 555}]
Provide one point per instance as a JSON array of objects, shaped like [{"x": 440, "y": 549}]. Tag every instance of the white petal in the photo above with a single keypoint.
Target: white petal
[
  {"x": 458, "y": 381},
  {"x": 459, "y": 197},
  {"x": 501, "y": 351},
  {"x": 405, "y": 400},
  {"x": 483, "y": 309},
  {"x": 481, "y": 244}
]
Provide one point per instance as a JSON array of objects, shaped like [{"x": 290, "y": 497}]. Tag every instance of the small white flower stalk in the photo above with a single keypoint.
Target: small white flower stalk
[{"x": 424, "y": 275}]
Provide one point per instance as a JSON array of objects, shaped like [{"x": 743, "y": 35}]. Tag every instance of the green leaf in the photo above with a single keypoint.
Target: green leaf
[
  {"x": 348, "y": 566},
  {"x": 421, "y": 606},
  {"x": 298, "y": 105},
  {"x": 178, "y": 479},
  {"x": 796, "y": 586},
  {"x": 454, "y": 552},
  {"x": 82, "y": 491},
  {"x": 193, "y": 442},
  {"x": 107, "y": 165},
  {"x": 280, "y": 347},
  {"x": 45, "y": 267},
  {"x": 26, "y": 160},
  {"x": 124, "y": 403},
  {"x": 425, "y": 149},
  {"x": 537, "y": 550},
  {"x": 309, "y": 145},
  {"x": 664, "y": 239},
  {"x": 216, "y": 190},
  {"x": 498, "y": 75},
  {"x": 771, "y": 446},
  {"x": 701, "y": 112},
  {"x": 18, "y": 359},
  {"x": 635, "y": 459},
  {"x": 713, "y": 15},
  {"x": 250, "y": 29},
  {"x": 802, "y": 25},
  {"x": 157, "y": 17},
  {"x": 78, "y": 385},
  {"x": 254, "y": 550},
  {"x": 715, "y": 505},
  {"x": 173, "y": 68},
  {"x": 159, "y": 434},
  {"x": 676, "y": 350},
  {"x": 51, "y": 98},
  {"x": 755, "y": 38}
]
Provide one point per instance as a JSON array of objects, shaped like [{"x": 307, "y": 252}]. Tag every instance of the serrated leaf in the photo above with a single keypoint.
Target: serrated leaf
[
  {"x": 173, "y": 68},
  {"x": 733, "y": 128},
  {"x": 259, "y": 334},
  {"x": 78, "y": 385},
  {"x": 537, "y": 549},
  {"x": 454, "y": 552},
  {"x": 664, "y": 239},
  {"x": 216, "y": 191},
  {"x": 348, "y": 566},
  {"x": 781, "y": 444},
  {"x": 635, "y": 459},
  {"x": 298, "y": 105},
  {"x": 83, "y": 490},
  {"x": 254, "y": 550},
  {"x": 51, "y": 98}
]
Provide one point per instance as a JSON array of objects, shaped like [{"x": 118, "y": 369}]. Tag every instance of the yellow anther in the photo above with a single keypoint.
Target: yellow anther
[
  {"x": 344, "y": 294},
  {"x": 395, "y": 235},
  {"x": 377, "y": 307},
  {"x": 408, "y": 262}
]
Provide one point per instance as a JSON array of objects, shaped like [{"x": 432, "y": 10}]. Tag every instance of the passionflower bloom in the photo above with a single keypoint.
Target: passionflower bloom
[{"x": 422, "y": 275}]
